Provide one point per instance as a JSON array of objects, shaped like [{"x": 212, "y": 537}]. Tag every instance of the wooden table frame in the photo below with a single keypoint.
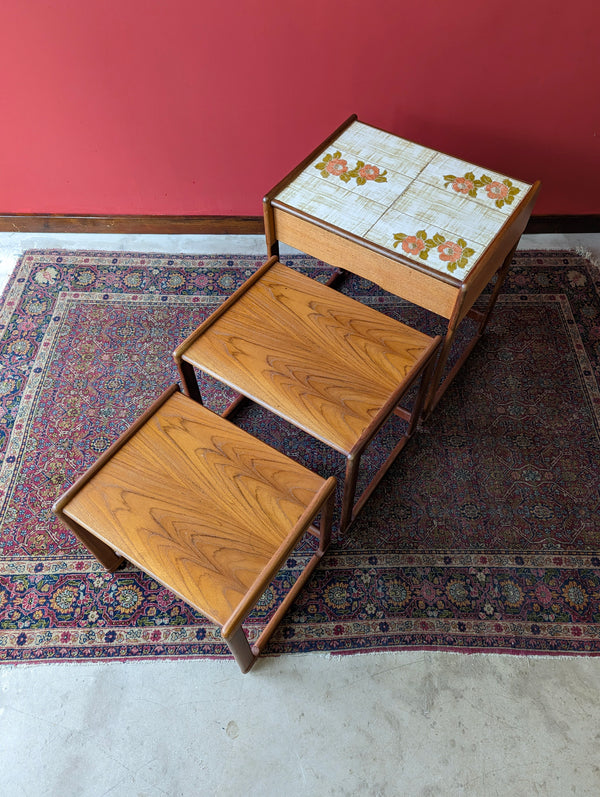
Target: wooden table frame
[{"x": 440, "y": 293}]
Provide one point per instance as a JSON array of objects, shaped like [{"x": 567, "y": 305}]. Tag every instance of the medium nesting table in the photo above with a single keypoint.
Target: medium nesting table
[
  {"x": 326, "y": 363},
  {"x": 425, "y": 226}
]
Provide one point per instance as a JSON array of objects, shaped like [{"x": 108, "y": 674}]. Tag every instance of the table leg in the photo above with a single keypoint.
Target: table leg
[
  {"x": 241, "y": 650},
  {"x": 190, "y": 383},
  {"x": 439, "y": 387},
  {"x": 349, "y": 489},
  {"x": 103, "y": 552}
]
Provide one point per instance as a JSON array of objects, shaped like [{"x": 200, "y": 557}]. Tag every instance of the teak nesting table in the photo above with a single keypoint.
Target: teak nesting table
[
  {"x": 328, "y": 364},
  {"x": 212, "y": 512},
  {"x": 425, "y": 226}
]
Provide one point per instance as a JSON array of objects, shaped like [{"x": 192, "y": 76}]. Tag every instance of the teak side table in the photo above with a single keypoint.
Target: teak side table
[
  {"x": 425, "y": 226},
  {"x": 204, "y": 508},
  {"x": 328, "y": 364}
]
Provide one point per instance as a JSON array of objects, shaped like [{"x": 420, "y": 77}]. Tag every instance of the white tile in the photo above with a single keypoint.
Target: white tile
[
  {"x": 433, "y": 207},
  {"x": 383, "y": 149},
  {"x": 394, "y": 223},
  {"x": 442, "y": 168},
  {"x": 384, "y": 190},
  {"x": 332, "y": 202}
]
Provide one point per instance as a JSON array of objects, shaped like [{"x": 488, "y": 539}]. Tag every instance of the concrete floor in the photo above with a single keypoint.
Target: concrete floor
[{"x": 381, "y": 724}]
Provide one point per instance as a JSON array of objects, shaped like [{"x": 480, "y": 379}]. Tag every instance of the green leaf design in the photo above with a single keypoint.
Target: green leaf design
[
  {"x": 337, "y": 154},
  {"x": 345, "y": 177},
  {"x": 467, "y": 251},
  {"x": 438, "y": 239},
  {"x": 424, "y": 254},
  {"x": 450, "y": 177},
  {"x": 473, "y": 192},
  {"x": 469, "y": 176},
  {"x": 360, "y": 181},
  {"x": 399, "y": 236},
  {"x": 485, "y": 179},
  {"x": 421, "y": 234},
  {"x": 499, "y": 203},
  {"x": 461, "y": 242}
]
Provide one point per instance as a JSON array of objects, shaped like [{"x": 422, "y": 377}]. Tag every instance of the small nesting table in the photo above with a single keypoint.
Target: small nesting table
[
  {"x": 425, "y": 226},
  {"x": 326, "y": 363},
  {"x": 205, "y": 509}
]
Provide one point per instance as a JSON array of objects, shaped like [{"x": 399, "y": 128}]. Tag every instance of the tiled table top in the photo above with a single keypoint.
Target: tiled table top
[{"x": 436, "y": 210}]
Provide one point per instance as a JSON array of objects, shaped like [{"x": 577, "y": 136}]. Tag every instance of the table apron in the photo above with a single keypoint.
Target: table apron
[{"x": 340, "y": 252}]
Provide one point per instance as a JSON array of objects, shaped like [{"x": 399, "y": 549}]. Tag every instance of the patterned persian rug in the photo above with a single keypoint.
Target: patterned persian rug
[{"x": 484, "y": 536}]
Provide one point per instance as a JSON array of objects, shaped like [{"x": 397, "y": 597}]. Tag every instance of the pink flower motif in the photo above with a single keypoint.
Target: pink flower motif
[
  {"x": 30, "y": 601},
  {"x": 164, "y": 599},
  {"x": 462, "y": 185},
  {"x": 543, "y": 594},
  {"x": 496, "y": 190},
  {"x": 369, "y": 172},
  {"x": 337, "y": 166},
  {"x": 450, "y": 252},
  {"x": 428, "y": 591},
  {"x": 413, "y": 245}
]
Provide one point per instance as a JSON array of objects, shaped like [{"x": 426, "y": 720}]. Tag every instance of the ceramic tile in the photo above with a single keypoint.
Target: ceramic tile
[
  {"x": 385, "y": 150},
  {"x": 487, "y": 187},
  {"x": 433, "y": 246},
  {"x": 333, "y": 203},
  {"x": 429, "y": 206},
  {"x": 384, "y": 188}
]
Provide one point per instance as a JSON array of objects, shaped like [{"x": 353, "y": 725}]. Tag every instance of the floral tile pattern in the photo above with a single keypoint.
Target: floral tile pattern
[
  {"x": 489, "y": 188},
  {"x": 338, "y": 167},
  {"x": 367, "y": 176},
  {"x": 455, "y": 253},
  {"x": 443, "y": 250}
]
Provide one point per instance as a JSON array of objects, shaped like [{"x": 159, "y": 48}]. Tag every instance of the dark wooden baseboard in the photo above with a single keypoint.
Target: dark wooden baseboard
[
  {"x": 221, "y": 225},
  {"x": 563, "y": 224},
  {"x": 125, "y": 225}
]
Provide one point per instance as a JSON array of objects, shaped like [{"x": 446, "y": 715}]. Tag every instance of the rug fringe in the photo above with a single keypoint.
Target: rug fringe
[{"x": 589, "y": 255}]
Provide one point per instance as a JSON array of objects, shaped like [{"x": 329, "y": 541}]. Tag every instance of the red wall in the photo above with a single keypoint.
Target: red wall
[{"x": 200, "y": 106}]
